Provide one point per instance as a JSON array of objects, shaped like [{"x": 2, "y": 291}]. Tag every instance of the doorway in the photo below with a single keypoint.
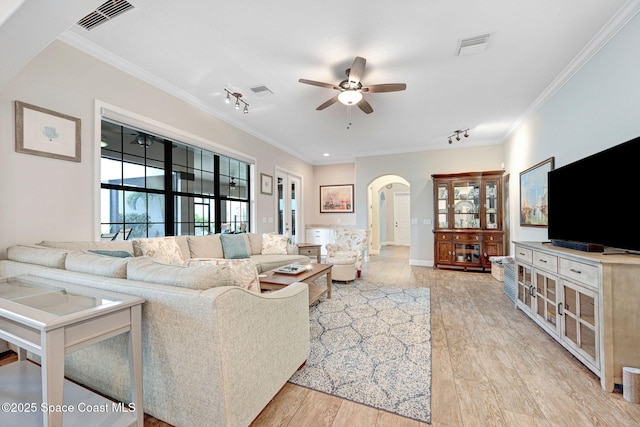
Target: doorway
[
  {"x": 402, "y": 219},
  {"x": 389, "y": 224},
  {"x": 288, "y": 188}
]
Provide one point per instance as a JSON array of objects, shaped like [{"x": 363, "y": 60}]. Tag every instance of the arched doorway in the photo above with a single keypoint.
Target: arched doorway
[{"x": 388, "y": 199}]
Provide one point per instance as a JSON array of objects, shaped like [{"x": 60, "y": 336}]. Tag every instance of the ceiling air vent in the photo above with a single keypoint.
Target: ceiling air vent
[
  {"x": 104, "y": 13},
  {"x": 473, "y": 45},
  {"x": 261, "y": 89}
]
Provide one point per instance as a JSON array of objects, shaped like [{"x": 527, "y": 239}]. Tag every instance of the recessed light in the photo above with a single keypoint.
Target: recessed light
[{"x": 326, "y": 154}]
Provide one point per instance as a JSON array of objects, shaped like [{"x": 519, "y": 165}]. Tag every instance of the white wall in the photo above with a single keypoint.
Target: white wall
[
  {"x": 331, "y": 175},
  {"x": 52, "y": 199},
  {"x": 416, "y": 169},
  {"x": 597, "y": 109}
]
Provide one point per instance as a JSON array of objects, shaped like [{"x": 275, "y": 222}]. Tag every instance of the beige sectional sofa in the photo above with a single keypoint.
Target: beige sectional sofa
[{"x": 214, "y": 354}]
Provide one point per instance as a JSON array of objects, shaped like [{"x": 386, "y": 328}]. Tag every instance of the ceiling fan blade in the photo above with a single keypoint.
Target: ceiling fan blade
[
  {"x": 365, "y": 106},
  {"x": 357, "y": 70},
  {"x": 315, "y": 83},
  {"x": 328, "y": 103},
  {"x": 388, "y": 87}
]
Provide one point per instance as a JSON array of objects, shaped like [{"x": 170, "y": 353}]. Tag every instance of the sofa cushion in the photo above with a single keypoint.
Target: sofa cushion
[
  {"x": 100, "y": 265},
  {"x": 255, "y": 243},
  {"x": 234, "y": 246},
  {"x": 163, "y": 249},
  {"x": 39, "y": 255},
  {"x": 205, "y": 246},
  {"x": 274, "y": 244},
  {"x": 243, "y": 272},
  {"x": 121, "y": 245},
  {"x": 147, "y": 269}
]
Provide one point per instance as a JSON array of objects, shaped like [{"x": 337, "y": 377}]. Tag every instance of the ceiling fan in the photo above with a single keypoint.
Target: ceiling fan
[{"x": 351, "y": 89}]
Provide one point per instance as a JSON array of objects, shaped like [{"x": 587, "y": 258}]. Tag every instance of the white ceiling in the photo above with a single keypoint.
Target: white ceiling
[{"x": 196, "y": 48}]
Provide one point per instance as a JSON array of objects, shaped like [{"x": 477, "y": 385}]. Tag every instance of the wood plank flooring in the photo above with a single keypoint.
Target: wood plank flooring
[{"x": 491, "y": 365}]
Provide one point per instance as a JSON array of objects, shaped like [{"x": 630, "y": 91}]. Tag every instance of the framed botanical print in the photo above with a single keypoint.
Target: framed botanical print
[
  {"x": 266, "y": 184},
  {"x": 46, "y": 133}
]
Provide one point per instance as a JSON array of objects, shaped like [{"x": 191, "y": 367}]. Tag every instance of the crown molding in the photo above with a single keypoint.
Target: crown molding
[
  {"x": 92, "y": 49},
  {"x": 622, "y": 17}
]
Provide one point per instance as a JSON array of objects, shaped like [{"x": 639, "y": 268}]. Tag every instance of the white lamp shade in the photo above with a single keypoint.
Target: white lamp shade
[{"x": 350, "y": 97}]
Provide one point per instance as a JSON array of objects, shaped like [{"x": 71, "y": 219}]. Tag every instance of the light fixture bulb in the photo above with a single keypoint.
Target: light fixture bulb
[
  {"x": 450, "y": 140},
  {"x": 246, "y": 110},
  {"x": 350, "y": 97},
  {"x": 466, "y": 134},
  {"x": 227, "y": 99},
  {"x": 458, "y": 137},
  {"x": 237, "y": 104}
]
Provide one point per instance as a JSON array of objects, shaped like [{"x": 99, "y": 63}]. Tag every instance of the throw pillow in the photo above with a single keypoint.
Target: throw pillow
[
  {"x": 274, "y": 244},
  {"x": 163, "y": 249},
  {"x": 234, "y": 246},
  {"x": 243, "y": 272}
]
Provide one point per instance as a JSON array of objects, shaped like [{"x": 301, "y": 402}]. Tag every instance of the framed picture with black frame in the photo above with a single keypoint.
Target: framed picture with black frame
[{"x": 336, "y": 198}]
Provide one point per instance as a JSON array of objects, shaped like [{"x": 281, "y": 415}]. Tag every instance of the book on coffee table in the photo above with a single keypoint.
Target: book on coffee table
[{"x": 291, "y": 269}]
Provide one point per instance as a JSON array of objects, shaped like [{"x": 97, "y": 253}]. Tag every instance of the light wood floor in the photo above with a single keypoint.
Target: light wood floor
[{"x": 491, "y": 365}]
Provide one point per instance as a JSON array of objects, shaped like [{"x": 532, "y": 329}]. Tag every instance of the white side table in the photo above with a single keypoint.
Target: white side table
[{"x": 52, "y": 318}]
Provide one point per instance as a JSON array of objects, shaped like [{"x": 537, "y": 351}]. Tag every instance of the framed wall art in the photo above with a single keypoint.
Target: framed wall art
[
  {"x": 46, "y": 133},
  {"x": 336, "y": 198},
  {"x": 266, "y": 184},
  {"x": 534, "y": 207}
]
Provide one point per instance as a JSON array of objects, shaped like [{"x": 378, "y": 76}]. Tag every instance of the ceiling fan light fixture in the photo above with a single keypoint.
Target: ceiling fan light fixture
[{"x": 350, "y": 97}]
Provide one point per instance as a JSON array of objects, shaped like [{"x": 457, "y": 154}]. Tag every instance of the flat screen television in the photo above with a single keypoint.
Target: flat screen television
[{"x": 596, "y": 200}]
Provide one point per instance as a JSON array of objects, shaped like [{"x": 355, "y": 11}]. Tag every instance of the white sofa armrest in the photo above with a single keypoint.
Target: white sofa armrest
[{"x": 263, "y": 340}]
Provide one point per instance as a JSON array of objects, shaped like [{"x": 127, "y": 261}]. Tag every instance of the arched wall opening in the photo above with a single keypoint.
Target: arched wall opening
[{"x": 388, "y": 201}]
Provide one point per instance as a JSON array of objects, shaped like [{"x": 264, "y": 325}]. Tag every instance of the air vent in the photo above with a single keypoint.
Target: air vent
[
  {"x": 104, "y": 13},
  {"x": 261, "y": 89},
  {"x": 473, "y": 45}
]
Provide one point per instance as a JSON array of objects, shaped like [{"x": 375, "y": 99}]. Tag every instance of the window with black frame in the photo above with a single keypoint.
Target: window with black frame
[{"x": 157, "y": 187}]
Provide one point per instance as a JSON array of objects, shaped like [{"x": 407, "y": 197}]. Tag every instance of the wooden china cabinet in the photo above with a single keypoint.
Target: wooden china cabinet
[{"x": 468, "y": 219}]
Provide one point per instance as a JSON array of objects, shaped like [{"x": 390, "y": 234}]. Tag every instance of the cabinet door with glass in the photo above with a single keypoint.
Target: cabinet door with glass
[
  {"x": 442, "y": 205},
  {"x": 525, "y": 294},
  {"x": 466, "y": 204},
  {"x": 579, "y": 327},
  {"x": 545, "y": 286},
  {"x": 492, "y": 204}
]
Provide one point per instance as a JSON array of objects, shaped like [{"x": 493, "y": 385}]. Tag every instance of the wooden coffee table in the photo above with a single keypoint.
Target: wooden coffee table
[{"x": 273, "y": 281}]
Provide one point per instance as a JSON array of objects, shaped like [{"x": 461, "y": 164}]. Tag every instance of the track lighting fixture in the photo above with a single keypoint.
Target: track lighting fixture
[
  {"x": 456, "y": 133},
  {"x": 238, "y": 97}
]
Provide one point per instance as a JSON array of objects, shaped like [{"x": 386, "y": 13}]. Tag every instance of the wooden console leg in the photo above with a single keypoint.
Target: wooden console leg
[{"x": 302, "y": 366}]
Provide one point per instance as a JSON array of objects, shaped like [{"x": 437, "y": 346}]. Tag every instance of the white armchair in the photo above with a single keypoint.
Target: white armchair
[{"x": 349, "y": 242}]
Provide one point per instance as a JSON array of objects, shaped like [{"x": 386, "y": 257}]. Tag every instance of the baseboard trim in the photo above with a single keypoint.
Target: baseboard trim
[{"x": 421, "y": 262}]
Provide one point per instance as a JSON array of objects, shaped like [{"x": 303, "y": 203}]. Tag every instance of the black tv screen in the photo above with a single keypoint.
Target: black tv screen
[{"x": 595, "y": 200}]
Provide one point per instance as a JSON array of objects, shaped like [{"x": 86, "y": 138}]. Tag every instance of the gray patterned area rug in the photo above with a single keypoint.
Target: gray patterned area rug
[{"x": 371, "y": 344}]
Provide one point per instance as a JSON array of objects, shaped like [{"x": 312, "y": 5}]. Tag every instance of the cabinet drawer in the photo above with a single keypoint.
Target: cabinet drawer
[
  {"x": 308, "y": 251},
  {"x": 440, "y": 236},
  {"x": 580, "y": 272},
  {"x": 524, "y": 254},
  {"x": 546, "y": 261},
  {"x": 490, "y": 238},
  {"x": 466, "y": 237}
]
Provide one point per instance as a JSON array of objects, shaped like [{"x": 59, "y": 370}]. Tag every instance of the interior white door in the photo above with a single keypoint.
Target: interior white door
[
  {"x": 402, "y": 219},
  {"x": 289, "y": 200}
]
